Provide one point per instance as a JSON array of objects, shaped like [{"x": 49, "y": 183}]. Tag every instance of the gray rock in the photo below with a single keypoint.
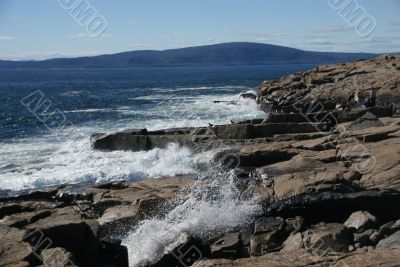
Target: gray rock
[
  {"x": 389, "y": 242},
  {"x": 267, "y": 224},
  {"x": 366, "y": 121},
  {"x": 14, "y": 251},
  {"x": 364, "y": 238},
  {"x": 184, "y": 251},
  {"x": 249, "y": 96},
  {"x": 228, "y": 246},
  {"x": 22, "y": 219},
  {"x": 234, "y": 131},
  {"x": 293, "y": 243},
  {"x": 269, "y": 235},
  {"x": 66, "y": 229},
  {"x": 386, "y": 230},
  {"x": 361, "y": 220},
  {"x": 324, "y": 238}
]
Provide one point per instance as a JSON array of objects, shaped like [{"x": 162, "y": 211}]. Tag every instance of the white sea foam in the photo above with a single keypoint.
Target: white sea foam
[
  {"x": 213, "y": 208},
  {"x": 89, "y": 110},
  {"x": 75, "y": 162},
  {"x": 74, "y": 93},
  {"x": 197, "y": 111}
]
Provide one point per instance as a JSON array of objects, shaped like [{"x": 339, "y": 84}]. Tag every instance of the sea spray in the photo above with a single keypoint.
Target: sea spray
[
  {"x": 75, "y": 162},
  {"x": 212, "y": 207}
]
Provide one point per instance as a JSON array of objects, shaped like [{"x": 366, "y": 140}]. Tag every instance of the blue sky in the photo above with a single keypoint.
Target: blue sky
[{"x": 37, "y": 29}]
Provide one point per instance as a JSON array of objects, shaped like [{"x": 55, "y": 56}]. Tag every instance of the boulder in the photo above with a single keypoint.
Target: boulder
[
  {"x": 293, "y": 243},
  {"x": 248, "y": 96},
  {"x": 138, "y": 140},
  {"x": 184, "y": 251},
  {"x": 119, "y": 219},
  {"x": 390, "y": 242},
  {"x": 361, "y": 220},
  {"x": 386, "y": 230},
  {"x": 227, "y": 247},
  {"x": 325, "y": 238},
  {"x": 365, "y": 238},
  {"x": 269, "y": 235},
  {"x": 121, "y": 209},
  {"x": 354, "y": 114},
  {"x": 259, "y": 155},
  {"x": 368, "y": 120},
  {"x": 22, "y": 219},
  {"x": 66, "y": 229},
  {"x": 14, "y": 251},
  {"x": 267, "y": 224}
]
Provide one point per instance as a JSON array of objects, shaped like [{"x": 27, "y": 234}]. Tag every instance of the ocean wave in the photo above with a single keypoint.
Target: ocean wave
[
  {"x": 75, "y": 162},
  {"x": 89, "y": 110},
  {"x": 74, "y": 93}
]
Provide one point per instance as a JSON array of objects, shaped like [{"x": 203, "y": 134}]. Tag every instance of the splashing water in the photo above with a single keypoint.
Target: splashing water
[
  {"x": 76, "y": 162},
  {"x": 212, "y": 208}
]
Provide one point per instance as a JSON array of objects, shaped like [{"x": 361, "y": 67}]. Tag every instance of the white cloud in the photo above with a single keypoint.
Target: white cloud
[
  {"x": 141, "y": 45},
  {"x": 337, "y": 29},
  {"x": 214, "y": 40},
  {"x": 321, "y": 42},
  {"x": 6, "y": 38},
  {"x": 378, "y": 44},
  {"x": 88, "y": 36},
  {"x": 48, "y": 55}
]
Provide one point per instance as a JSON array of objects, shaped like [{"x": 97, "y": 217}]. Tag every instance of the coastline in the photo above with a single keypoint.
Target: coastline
[{"x": 315, "y": 182}]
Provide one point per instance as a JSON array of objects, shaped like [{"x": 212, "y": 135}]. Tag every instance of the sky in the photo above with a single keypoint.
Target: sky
[{"x": 40, "y": 29}]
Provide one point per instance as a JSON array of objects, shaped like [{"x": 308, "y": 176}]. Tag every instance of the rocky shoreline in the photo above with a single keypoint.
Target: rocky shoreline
[{"x": 324, "y": 172}]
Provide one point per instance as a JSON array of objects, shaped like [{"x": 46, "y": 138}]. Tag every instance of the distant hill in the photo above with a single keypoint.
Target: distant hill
[{"x": 210, "y": 55}]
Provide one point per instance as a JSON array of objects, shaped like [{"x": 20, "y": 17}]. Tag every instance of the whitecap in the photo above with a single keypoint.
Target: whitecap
[{"x": 75, "y": 162}]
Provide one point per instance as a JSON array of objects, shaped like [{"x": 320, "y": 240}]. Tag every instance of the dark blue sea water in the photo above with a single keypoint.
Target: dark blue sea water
[{"x": 105, "y": 100}]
